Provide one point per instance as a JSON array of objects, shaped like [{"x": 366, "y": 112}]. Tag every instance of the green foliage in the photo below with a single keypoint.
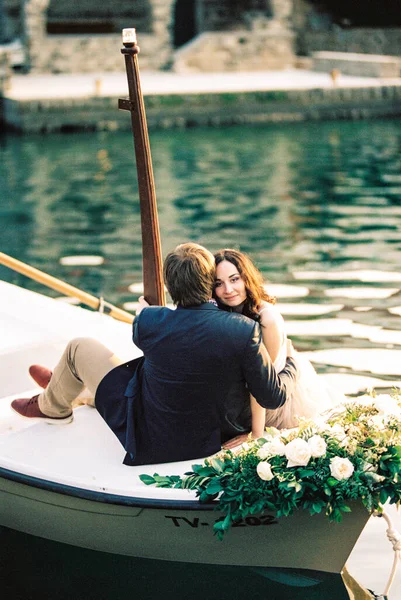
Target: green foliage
[
  {"x": 173, "y": 481},
  {"x": 352, "y": 453}
]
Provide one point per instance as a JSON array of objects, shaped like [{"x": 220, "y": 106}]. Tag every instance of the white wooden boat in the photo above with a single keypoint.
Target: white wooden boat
[{"x": 68, "y": 484}]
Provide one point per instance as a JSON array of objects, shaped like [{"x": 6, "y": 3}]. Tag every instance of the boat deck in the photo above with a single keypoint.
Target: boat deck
[{"x": 84, "y": 454}]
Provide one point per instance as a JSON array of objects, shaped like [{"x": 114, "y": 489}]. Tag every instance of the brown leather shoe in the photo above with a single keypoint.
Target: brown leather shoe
[
  {"x": 29, "y": 408},
  {"x": 41, "y": 375}
]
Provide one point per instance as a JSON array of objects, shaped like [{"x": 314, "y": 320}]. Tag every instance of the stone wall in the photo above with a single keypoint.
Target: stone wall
[
  {"x": 86, "y": 52},
  {"x": 89, "y": 16},
  {"x": 188, "y": 110},
  {"x": 5, "y": 71},
  {"x": 265, "y": 49},
  {"x": 10, "y": 22},
  {"x": 261, "y": 39},
  {"x": 361, "y": 40},
  {"x": 215, "y": 15},
  {"x": 315, "y": 32},
  {"x": 356, "y": 64},
  {"x": 247, "y": 50}
]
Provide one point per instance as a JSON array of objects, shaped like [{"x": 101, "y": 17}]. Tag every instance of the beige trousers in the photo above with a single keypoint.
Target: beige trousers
[{"x": 83, "y": 365}]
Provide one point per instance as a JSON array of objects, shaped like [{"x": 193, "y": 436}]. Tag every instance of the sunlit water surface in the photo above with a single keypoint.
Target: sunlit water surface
[{"x": 317, "y": 206}]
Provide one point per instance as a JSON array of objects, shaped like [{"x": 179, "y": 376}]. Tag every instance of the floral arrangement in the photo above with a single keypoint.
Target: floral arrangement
[{"x": 352, "y": 452}]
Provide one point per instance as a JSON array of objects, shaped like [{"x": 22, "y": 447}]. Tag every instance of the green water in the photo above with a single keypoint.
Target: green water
[{"x": 296, "y": 197}]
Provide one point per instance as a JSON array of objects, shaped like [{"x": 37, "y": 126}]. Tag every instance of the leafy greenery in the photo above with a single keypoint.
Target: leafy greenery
[{"x": 352, "y": 452}]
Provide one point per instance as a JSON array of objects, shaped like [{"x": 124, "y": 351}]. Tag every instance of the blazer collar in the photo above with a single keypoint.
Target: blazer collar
[{"x": 204, "y": 306}]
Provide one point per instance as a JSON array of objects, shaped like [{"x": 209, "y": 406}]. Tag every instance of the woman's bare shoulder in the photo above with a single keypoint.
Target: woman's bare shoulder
[{"x": 269, "y": 313}]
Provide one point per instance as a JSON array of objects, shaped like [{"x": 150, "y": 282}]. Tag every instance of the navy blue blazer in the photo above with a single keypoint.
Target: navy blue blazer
[{"x": 190, "y": 390}]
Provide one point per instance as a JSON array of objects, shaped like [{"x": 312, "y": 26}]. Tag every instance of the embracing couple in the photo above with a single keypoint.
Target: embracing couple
[{"x": 214, "y": 370}]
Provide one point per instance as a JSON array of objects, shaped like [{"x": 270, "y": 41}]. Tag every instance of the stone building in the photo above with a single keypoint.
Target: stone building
[
  {"x": 182, "y": 35},
  {"x": 315, "y": 30}
]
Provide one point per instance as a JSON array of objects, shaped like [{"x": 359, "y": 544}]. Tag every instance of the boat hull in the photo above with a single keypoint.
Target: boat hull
[{"x": 178, "y": 533}]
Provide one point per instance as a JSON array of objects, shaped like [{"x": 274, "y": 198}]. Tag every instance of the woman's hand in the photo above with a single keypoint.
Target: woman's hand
[
  {"x": 142, "y": 304},
  {"x": 237, "y": 441}
]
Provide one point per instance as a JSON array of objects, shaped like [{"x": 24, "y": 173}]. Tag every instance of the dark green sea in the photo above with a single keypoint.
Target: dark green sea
[
  {"x": 316, "y": 205},
  {"x": 297, "y": 197}
]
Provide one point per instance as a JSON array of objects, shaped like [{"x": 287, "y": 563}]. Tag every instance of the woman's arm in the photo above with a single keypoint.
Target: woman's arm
[
  {"x": 258, "y": 419},
  {"x": 273, "y": 337},
  {"x": 258, "y": 427},
  {"x": 273, "y": 331}
]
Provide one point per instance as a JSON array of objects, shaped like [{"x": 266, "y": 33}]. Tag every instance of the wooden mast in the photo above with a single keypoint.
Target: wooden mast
[{"x": 151, "y": 246}]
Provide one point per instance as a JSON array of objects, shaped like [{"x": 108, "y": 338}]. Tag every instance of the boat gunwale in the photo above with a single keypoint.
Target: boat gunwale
[{"x": 103, "y": 497}]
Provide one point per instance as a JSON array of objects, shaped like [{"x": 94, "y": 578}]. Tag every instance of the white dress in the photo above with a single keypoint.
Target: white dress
[{"x": 311, "y": 395}]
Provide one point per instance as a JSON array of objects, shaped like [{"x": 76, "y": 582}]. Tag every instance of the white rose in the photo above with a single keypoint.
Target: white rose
[
  {"x": 277, "y": 447},
  {"x": 341, "y": 468},
  {"x": 298, "y": 453},
  {"x": 323, "y": 427},
  {"x": 264, "y": 452},
  {"x": 377, "y": 421},
  {"x": 317, "y": 446},
  {"x": 264, "y": 471}
]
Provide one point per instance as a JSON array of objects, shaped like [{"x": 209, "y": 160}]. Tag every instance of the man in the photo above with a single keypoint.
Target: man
[{"x": 190, "y": 390}]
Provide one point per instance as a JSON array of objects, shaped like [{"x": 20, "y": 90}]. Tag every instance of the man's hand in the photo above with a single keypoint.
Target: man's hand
[
  {"x": 142, "y": 304},
  {"x": 237, "y": 441}
]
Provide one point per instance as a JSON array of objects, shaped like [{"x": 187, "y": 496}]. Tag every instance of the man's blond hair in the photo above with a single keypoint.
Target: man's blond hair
[{"x": 189, "y": 273}]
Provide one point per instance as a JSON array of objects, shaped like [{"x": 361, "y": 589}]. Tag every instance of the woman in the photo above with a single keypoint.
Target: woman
[{"x": 239, "y": 288}]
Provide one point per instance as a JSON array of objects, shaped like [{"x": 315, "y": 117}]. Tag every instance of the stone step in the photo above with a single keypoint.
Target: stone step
[{"x": 352, "y": 63}]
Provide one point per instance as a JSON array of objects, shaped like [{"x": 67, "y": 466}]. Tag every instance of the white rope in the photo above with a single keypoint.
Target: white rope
[
  {"x": 104, "y": 308},
  {"x": 394, "y": 538}
]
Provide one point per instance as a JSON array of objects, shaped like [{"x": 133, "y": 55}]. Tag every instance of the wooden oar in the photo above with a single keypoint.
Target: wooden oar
[
  {"x": 64, "y": 288},
  {"x": 151, "y": 246}
]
